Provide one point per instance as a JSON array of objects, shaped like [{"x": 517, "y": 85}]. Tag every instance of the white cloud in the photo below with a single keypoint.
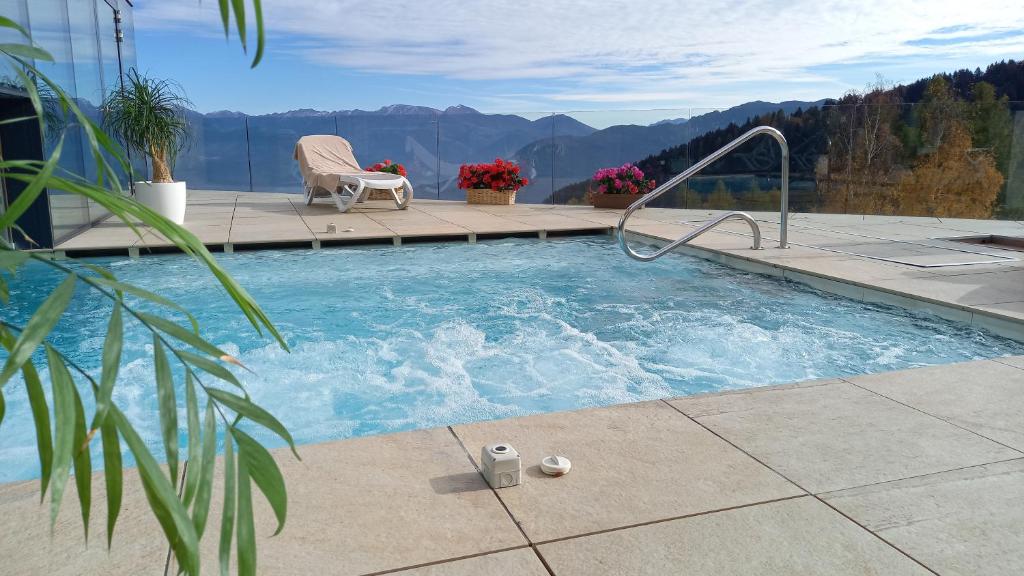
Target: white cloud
[{"x": 604, "y": 51}]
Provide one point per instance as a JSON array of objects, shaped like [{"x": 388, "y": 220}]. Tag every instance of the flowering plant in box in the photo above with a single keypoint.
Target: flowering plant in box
[
  {"x": 389, "y": 167},
  {"x": 626, "y": 179},
  {"x": 500, "y": 175}
]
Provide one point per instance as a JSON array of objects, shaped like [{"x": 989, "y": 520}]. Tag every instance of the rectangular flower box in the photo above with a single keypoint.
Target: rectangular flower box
[
  {"x": 488, "y": 196},
  {"x": 616, "y": 201}
]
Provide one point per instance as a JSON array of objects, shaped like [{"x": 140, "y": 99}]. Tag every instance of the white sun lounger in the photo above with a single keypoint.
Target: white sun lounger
[{"x": 329, "y": 168}]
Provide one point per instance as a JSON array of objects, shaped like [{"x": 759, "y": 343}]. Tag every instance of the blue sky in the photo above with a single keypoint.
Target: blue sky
[{"x": 535, "y": 56}]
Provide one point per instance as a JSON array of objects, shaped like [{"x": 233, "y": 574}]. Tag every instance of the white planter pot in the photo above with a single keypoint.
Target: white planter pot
[{"x": 166, "y": 198}]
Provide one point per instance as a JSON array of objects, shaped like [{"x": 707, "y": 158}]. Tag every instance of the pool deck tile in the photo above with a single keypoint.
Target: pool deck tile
[
  {"x": 28, "y": 549},
  {"x": 632, "y": 463},
  {"x": 835, "y": 435},
  {"x": 378, "y": 503},
  {"x": 1016, "y": 361},
  {"x": 797, "y": 536},
  {"x": 958, "y": 523},
  {"x": 520, "y": 562},
  {"x": 984, "y": 397}
]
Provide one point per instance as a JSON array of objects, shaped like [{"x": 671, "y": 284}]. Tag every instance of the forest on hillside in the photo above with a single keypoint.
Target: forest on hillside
[{"x": 941, "y": 146}]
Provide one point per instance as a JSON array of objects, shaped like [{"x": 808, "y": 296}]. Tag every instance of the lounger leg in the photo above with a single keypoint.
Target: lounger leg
[
  {"x": 308, "y": 191},
  {"x": 404, "y": 203},
  {"x": 344, "y": 203}
]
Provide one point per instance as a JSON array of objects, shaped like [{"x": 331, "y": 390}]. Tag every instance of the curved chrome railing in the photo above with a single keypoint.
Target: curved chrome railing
[{"x": 689, "y": 172}]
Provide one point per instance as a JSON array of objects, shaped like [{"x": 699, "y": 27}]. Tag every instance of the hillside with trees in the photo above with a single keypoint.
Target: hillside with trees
[{"x": 941, "y": 146}]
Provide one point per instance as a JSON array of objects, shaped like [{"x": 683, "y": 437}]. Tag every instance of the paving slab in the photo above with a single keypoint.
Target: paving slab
[
  {"x": 985, "y": 397},
  {"x": 632, "y": 463},
  {"x": 959, "y": 523},
  {"x": 521, "y": 562},
  {"x": 27, "y": 548},
  {"x": 835, "y": 435},
  {"x": 798, "y": 536},
  {"x": 378, "y": 503},
  {"x": 1015, "y": 361},
  {"x": 972, "y": 289}
]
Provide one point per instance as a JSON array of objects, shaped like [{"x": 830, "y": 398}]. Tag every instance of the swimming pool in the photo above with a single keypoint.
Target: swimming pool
[{"x": 387, "y": 339}]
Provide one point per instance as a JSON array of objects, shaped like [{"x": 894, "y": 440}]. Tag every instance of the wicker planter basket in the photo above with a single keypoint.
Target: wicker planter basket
[
  {"x": 616, "y": 201},
  {"x": 488, "y": 196}
]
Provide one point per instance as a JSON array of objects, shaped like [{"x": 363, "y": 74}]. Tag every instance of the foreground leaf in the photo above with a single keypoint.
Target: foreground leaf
[
  {"x": 111, "y": 364},
  {"x": 112, "y": 475},
  {"x": 83, "y": 465},
  {"x": 179, "y": 333},
  {"x": 194, "y": 465},
  {"x": 41, "y": 323},
  {"x": 40, "y": 414},
  {"x": 64, "y": 416},
  {"x": 162, "y": 498},
  {"x": 208, "y": 461},
  {"x": 265, "y": 473},
  {"x": 246, "y": 408},
  {"x": 168, "y": 407},
  {"x": 227, "y": 516},
  {"x": 210, "y": 367},
  {"x": 41, "y": 419},
  {"x": 10, "y": 260},
  {"x": 246, "y": 530}
]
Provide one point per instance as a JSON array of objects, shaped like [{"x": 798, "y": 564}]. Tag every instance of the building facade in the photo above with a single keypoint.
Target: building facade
[{"x": 92, "y": 44}]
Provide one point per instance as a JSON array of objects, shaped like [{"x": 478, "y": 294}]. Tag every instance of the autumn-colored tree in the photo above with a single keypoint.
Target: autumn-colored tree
[
  {"x": 864, "y": 152},
  {"x": 952, "y": 181},
  {"x": 720, "y": 198}
]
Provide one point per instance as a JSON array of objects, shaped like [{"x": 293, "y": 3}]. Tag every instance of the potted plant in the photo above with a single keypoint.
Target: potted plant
[
  {"x": 149, "y": 116},
  {"x": 391, "y": 168},
  {"x": 495, "y": 183},
  {"x": 619, "y": 187}
]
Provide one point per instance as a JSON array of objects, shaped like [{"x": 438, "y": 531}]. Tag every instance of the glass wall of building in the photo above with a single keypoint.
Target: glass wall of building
[{"x": 89, "y": 57}]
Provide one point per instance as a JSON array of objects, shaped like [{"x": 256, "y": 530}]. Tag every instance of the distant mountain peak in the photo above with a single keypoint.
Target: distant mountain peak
[
  {"x": 224, "y": 114},
  {"x": 460, "y": 109},
  {"x": 406, "y": 109}
]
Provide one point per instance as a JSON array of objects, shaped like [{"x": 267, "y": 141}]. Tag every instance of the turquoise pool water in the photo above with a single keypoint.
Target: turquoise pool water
[{"x": 387, "y": 339}]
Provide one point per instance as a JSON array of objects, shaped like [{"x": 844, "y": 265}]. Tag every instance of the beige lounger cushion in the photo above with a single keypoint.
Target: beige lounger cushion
[{"x": 324, "y": 159}]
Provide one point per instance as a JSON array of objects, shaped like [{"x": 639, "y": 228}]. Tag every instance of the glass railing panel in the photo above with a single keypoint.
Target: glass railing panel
[
  {"x": 589, "y": 141},
  {"x": 469, "y": 137},
  {"x": 946, "y": 157},
  {"x": 407, "y": 136},
  {"x": 272, "y": 141},
  {"x": 216, "y": 156},
  {"x": 749, "y": 178}
]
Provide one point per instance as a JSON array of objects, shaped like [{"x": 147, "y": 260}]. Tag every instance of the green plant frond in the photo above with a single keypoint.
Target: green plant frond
[{"x": 150, "y": 116}]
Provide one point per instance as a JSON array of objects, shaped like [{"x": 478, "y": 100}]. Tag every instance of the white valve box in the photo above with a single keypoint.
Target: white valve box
[{"x": 502, "y": 466}]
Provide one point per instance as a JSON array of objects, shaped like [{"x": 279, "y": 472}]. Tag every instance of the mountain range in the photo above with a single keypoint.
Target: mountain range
[{"x": 234, "y": 151}]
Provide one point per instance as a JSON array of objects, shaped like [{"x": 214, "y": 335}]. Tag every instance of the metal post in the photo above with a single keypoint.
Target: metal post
[
  {"x": 784, "y": 199},
  {"x": 553, "y": 120},
  {"x": 248, "y": 151}
]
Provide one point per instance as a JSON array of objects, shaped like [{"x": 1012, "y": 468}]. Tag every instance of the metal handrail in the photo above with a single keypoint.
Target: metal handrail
[{"x": 689, "y": 172}]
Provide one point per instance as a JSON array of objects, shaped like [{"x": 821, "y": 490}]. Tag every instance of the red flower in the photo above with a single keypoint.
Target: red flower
[{"x": 500, "y": 175}]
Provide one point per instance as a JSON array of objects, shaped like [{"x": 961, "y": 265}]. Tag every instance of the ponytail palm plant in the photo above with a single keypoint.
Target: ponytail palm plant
[{"x": 149, "y": 116}]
